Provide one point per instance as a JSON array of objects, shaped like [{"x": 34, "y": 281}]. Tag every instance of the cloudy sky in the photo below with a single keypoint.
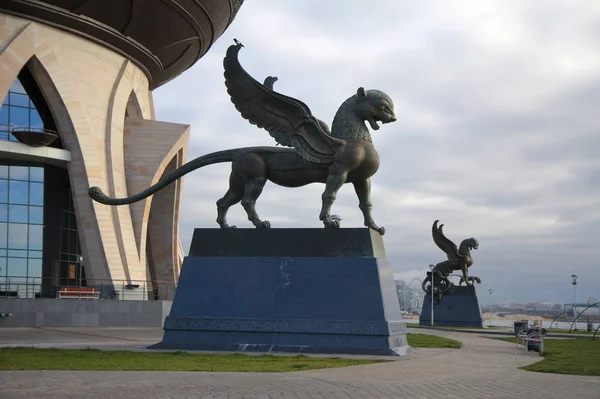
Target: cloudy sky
[{"x": 497, "y": 133}]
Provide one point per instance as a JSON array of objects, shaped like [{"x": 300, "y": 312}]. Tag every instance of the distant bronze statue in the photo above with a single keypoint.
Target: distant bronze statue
[
  {"x": 458, "y": 259},
  {"x": 343, "y": 155}
]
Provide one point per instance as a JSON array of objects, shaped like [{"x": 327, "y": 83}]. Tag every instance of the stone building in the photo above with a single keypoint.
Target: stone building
[{"x": 76, "y": 81}]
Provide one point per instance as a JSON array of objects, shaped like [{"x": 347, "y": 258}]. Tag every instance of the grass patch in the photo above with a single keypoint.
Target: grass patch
[
  {"x": 567, "y": 356},
  {"x": 92, "y": 359},
  {"x": 566, "y": 331},
  {"x": 431, "y": 341}
]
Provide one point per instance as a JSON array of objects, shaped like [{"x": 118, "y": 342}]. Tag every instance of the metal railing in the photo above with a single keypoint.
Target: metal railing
[{"x": 49, "y": 287}]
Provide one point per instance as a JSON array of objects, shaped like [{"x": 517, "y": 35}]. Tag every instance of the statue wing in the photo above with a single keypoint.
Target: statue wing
[
  {"x": 288, "y": 120},
  {"x": 445, "y": 244}
]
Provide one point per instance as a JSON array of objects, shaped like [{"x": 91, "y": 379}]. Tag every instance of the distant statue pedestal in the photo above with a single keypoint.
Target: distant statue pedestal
[
  {"x": 286, "y": 290},
  {"x": 459, "y": 307}
]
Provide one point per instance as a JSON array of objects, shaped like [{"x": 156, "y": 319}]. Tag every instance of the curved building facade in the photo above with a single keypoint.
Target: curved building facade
[{"x": 77, "y": 111}]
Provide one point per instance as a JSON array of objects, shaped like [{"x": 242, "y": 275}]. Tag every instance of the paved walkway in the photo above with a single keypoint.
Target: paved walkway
[{"x": 483, "y": 368}]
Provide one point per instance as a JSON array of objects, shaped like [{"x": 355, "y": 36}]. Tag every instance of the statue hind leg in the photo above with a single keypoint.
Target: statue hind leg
[
  {"x": 234, "y": 194},
  {"x": 363, "y": 192},
  {"x": 252, "y": 191}
]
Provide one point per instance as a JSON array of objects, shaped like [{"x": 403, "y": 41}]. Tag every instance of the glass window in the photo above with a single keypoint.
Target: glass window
[
  {"x": 35, "y": 268},
  {"x": 17, "y": 267},
  {"x": 18, "y": 172},
  {"x": 36, "y": 236},
  {"x": 4, "y": 118},
  {"x": 17, "y": 236},
  {"x": 19, "y": 117},
  {"x": 36, "y": 174},
  {"x": 18, "y": 213},
  {"x": 3, "y": 235},
  {"x": 3, "y": 171},
  {"x": 2, "y": 267},
  {"x": 3, "y": 190},
  {"x": 17, "y": 87},
  {"x": 36, "y": 193},
  {"x": 34, "y": 119},
  {"x": 36, "y": 214},
  {"x": 17, "y": 253},
  {"x": 35, "y": 254},
  {"x": 3, "y": 252},
  {"x": 3, "y": 212},
  {"x": 18, "y": 192},
  {"x": 18, "y": 99}
]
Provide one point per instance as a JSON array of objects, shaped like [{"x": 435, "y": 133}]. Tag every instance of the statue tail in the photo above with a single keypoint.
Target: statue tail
[{"x": 216, "y": 157}]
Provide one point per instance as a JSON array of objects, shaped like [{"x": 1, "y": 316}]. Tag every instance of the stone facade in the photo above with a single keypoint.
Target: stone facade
[{"x": 104, "y": 112}]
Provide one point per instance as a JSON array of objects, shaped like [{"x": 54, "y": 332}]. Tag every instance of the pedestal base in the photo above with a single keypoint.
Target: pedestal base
[
  {"x": 459, "y": 307},
  {"x": 301, "y": 304}
]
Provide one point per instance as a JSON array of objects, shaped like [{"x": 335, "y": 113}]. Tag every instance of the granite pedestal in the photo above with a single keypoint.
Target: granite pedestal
[
  {"x": 286, "y": 290},
  {"x": 459, "y": 307}
]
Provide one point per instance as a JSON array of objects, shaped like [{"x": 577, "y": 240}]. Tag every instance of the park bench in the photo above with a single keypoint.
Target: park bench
[
  {"x": 78, "y": 293},
  {"x": 532, "y": 339}
]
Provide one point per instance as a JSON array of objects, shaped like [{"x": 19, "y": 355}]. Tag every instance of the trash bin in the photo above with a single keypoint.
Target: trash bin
[
  {"x": 590, "y": 326},
  {"x": 519, "y": 327},
  {"x": 533, "y": 345}
]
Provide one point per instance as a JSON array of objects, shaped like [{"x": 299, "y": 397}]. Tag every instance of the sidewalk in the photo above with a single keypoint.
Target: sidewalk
[{"x": 483, "y": 368}]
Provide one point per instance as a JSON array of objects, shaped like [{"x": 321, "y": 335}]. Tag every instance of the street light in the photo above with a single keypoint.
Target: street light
[
  {"x": 491, "y": 291},
  {"x": 574, "y": 277},
  {"x": 432, "y": 286},
  {"x": 79, "y": 264}
]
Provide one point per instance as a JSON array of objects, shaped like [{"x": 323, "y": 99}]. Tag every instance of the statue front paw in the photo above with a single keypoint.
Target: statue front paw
[
  {"x": 330, "y": 223},
  {"x": 262, "y": 224}
]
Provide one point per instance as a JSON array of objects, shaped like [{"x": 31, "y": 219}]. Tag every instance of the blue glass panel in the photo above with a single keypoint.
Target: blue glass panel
[
  {"x": 2, "y": 269},
  {"x": 19, "y": 172},
  {"x": 36, "y": 215},
  {"x": 19, "y": 117},
  {"x": 36, "y": 237},
  {"x": 35, "y": 254},
  {"x": 18, "y": 99},
  {"x": 3, "y": 212},
  {"x": 34, "y": 119},
  {"x": 18, "y": 213},
  {"x": 17, "y": 236},
  {"x": 36, "y": 193},
  {"x": 2, "y": 252},
  {"x": 3, "y": 190},
  {"x": 17, "y": 87},
  {"x": 3, "y": 235},
  {"x": 17, "y": 267},
  {"x": 18, "y": 192},
  {"x": 36, "y": 174},
  {"x": 35, "y": 268},
  {"x": 17, "y": 253},
  {"x": 3, "y": 172},
  {"x": 4, "y": 117}
]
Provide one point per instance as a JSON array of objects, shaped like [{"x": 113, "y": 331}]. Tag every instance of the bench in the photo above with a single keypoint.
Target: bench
[
  {"x": 78, "y": 293},
  {"x": 532, "y": 340}
]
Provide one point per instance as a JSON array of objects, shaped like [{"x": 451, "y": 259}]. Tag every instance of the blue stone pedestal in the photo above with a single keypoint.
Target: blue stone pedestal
[
  {"x": 334, "y": 293},
  {"x": 459, "y": 307}
]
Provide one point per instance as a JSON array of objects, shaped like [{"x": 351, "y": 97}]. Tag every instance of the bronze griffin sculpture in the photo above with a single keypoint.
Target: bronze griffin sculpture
[
  {"x": 459, "y": 259},
  {"x": 344, "y": 154}
]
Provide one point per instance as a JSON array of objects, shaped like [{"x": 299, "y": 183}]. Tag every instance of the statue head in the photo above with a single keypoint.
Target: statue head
[
  {"x": 375, "y": 106},
  {"x": 470, "y": 244}
]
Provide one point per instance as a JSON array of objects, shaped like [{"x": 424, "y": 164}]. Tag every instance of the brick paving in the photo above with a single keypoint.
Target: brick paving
[{"x": 483, "y": 368}]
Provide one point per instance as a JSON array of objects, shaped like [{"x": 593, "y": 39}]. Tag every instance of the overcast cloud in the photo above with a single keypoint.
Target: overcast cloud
[{"x": 498, "y": 130}]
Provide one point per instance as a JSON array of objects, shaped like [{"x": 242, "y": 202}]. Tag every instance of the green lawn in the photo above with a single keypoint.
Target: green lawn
[
  {"x": 567, "y": 356},
  {"x": 431, "y": 341},
  {"x": 92, "y": 359}
]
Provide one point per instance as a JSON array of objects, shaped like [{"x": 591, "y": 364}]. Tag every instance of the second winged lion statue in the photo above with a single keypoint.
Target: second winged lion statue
[{"x": 344, "y": 154}]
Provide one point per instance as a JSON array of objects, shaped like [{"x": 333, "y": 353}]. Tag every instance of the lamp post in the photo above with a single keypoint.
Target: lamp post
[
  {"x": 79, "y": 263},
  {"x": 432, "y": 287},
  {"x": 491, "y": 291},
  {"x": 574, "y": 277}
]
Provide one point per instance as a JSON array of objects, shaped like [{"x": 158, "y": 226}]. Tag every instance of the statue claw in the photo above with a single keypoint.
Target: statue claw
[
  {"x": 373, "y": 226},
  {"x": 332, "y": 224},
  {"x": 262, "y": 224}
]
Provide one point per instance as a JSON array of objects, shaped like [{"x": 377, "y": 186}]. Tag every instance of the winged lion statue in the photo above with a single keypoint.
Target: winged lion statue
[
  {"x": 459, "y": 258},
  {"x": 308, "y": 151}
]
